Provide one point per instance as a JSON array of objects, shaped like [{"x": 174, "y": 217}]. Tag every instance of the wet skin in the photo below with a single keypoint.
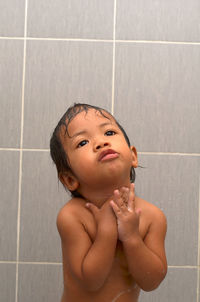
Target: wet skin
[
  {"x": 95, "y": 176},
  {"x": 119, "y": 279}
]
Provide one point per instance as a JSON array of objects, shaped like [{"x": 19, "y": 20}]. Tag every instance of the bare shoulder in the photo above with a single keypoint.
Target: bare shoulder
[
  {"x": 151, "y": 213},
  {"x": 156, "y": 223},
  {"x": 70, "y": 214}
]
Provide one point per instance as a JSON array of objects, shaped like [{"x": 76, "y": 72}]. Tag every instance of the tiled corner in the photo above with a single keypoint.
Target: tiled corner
[
  {"x": 171, "y": 183},
  {"x": 42, "y": 198},
  {"x": 9, "y": 180},
  {"x": 12, "y": 18},
  {"x": 71, "y": 19},
  {"x": 11, "y": 67},
  {"x": 157, "y": 95},
  {"x": 179, "y": 285},
  {"x": 7, "y": 281},
  {"x": 158, "y": 20},
  {"x": 41, "y": 281},
  {"x": 59, "y": 73}
]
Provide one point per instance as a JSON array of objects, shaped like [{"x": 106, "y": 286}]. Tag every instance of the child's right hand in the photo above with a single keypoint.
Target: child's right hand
[{"x": 104, "y": 216}]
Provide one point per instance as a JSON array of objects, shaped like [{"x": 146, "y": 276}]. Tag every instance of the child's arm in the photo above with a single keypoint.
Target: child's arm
[
  {"x": 90, "y": 263},
  {"x": 146, "y": 259}
]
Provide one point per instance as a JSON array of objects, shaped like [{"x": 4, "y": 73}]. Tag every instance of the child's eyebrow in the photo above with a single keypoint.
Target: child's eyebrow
[
  {"x": 78, "y": 133},
  {"x": 85, "y": 131}
]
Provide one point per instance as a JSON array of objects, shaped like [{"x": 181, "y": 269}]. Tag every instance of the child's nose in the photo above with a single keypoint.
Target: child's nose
[{"x": 101, "y": 145}]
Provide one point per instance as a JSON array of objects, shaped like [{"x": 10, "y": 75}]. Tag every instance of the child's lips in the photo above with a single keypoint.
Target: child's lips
[{"x": 108, "y": 154}]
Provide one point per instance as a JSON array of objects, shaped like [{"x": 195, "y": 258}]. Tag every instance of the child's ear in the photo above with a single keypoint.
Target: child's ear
[
  {"x": 69, "y": 180},
  {"x": 134, "y": 157}
]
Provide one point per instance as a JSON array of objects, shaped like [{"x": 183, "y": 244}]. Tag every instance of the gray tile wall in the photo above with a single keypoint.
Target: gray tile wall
[{"x": 138, "y": 59}]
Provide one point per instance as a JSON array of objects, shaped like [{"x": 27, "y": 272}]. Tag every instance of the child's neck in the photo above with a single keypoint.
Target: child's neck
[{"x": 99, "y": 196}]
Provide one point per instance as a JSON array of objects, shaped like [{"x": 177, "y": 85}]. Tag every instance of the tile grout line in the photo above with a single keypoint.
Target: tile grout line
[
  {"x": 113, "y": 63},
  {"x": 24, "y": 149},
  {"x": 59, "y": 39},
  {"x": 158, "y": 42},
  {"x": 60, "y": 263},
  {"x": 29, "y": 262},
  {"x": 183, "y": 266},
  {"x": 142, "y": 153},
  {"x": 101, "y": 40},
  {"x": 169, "y": 153},
  {"x": 21, "y": 153},
  {"x": 198, "y": 254}
]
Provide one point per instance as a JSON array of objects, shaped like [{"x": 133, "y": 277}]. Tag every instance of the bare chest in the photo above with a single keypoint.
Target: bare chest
[{"x": 91, "y": 229}]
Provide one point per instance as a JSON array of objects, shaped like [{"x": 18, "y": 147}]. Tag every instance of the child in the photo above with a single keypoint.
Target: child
[{"x": 112, "y": 240}]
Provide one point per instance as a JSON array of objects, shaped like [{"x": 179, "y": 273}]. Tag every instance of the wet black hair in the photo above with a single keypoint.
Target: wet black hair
[{"x": 57, "y": 151}]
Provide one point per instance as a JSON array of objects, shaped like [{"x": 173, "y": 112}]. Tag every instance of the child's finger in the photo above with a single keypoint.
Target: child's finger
[
  {"x": 115, "y": 208},
  {"x": 119, "y": 201},
  {"x": 138, "y": 211},
  {"x": 125, "y": 195},
  {"x": 117, "y": 198},
  {"x": 92, "y": 208},
  {"x": 131, "y": 200}
]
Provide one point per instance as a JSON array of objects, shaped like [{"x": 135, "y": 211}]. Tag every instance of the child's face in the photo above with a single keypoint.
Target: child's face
[{"x": 97, "y": 150}]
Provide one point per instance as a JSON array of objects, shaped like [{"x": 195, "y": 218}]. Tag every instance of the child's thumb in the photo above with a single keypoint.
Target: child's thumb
[
  {"x": 138, "y": 212},
  {"x": 91, "y": 207}
]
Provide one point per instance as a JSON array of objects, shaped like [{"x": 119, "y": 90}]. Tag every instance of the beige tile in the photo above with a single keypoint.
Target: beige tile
[
  {"x": 42, "y": 197},
  {"x": 44, "y": 282},
  {"x": 157, "y": 96},
  {"x": 12, "y": 18},
  {"x": 172, "y": 184},
  {"x": 158, "y": 20},
  {"x": 71, "y": 19},
  {"x": 59, "y": 74},
  {"x": 9, "y": 173},
  {"x": 7, "y": 281},
  {"x": 11, "y": 66}
]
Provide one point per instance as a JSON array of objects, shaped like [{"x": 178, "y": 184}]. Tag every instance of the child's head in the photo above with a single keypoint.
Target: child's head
[{"x": 59, "y": 153}]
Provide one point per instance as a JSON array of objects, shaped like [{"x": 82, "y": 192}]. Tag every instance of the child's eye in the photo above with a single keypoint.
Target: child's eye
[
  {"x": 110, "y": 132},
  {"x": 82, "y": 143}
]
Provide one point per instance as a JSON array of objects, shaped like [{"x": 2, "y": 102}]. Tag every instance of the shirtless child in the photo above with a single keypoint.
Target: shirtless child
[{"x": 112, "y": 240}]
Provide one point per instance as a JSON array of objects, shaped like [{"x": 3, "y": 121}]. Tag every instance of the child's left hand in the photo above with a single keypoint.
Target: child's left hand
[{"x": 123, "y": 205}]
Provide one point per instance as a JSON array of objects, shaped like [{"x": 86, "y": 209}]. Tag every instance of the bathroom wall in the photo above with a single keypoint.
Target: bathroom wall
[{"x": 141, "y": 61}]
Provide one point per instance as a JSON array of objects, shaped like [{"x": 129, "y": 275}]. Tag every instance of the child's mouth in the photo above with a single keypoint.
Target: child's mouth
[{"x": 108, "y": 154}]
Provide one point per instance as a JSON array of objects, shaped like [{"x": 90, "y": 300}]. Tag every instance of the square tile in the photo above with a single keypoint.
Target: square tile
[
  {"x": 11, "y": 67},
  {"x": 178, "y": 286},
  {"x": 7, "y": 281},
  {"x": 42, "y": 281},
  {"x": 42, "y": 197},
  {"x": 157, "y": 96},
  {"x": 9, "y": 180},
  {"x": 172, "y": 183},
  {"x": 12, "y": 18},
  {"x": 92, "y": 19},
  {"x": 158, "y": 20},
  {"x": 58, "y": 74}
]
